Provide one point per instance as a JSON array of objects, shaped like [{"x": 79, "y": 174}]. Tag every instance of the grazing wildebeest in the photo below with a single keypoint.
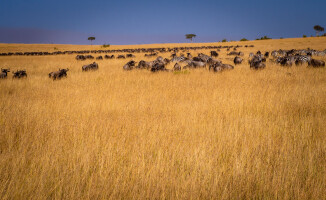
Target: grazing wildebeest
[
  {"x": 166, "y": 61},
  {"x": 159, "y": 59},
  {"x": 93, "y": 66},
  {"x": 99, "y": 58},
  {"x": 89, "y": 57},
  {"x": 121, "y": 57},
  {"x": 179, "y": 59},
  {"x": 176, "y": 67},
  {"x": 145, "y": 65},
  {"x": 316, "y": 63},
  {"x": 257, "y": 65},
  {"x": 58, "y": 74},
  {"x": 80, "y": 57},
  {"x": 129, "y": 66},
  {"x": 194, "y": 64},
  {"x": 130, "y": 55},
  {"x": 266, "y": 54},
  {"x": 4, "y": 73},
  {"x": 158, "y": 66},
  {"x": 214, "y": 54},
  {"x": 237, "y": 60},
  {"x": 218, "y": 67},
  {"x": 203, "y": 57},
  {"x": 20, "y": 74},
  {"x": 257, "y": 62},
  {"x": 286, "y": 60},
  {"x": 189, "y": 56},
  {"x": 235, "y": 53},
  {"x": 109, "y": 57}
]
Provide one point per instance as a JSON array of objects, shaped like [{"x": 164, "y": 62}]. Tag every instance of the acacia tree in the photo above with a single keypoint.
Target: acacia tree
[
  {"x": 190, "y": 36},
  {"x": 318, "y": 29},
  {"x": 91, "y": 39}
]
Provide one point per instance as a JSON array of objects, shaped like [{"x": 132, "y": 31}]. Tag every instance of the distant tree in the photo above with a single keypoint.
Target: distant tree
[
  {"x": 243, "y": 39},
  {"x": 224, "y": 40},
  {"x": 318, "y": 29},
  {"x": 324, "y": 35},
  {"x": 190, "y": 36},
  {"x": 304, "y": 36},
  {"x": 264, "y": 38},
  {"x": 91, "y": 39}
]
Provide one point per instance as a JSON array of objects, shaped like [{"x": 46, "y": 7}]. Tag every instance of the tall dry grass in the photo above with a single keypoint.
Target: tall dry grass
[{"x": 112, "y": 134}]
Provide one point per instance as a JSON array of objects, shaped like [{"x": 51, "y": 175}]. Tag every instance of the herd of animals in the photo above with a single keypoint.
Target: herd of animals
[{"x": 188, "y": 61}]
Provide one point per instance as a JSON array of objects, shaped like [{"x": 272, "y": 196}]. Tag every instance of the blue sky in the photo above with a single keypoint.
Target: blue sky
[{"x": 151, "y": 21}]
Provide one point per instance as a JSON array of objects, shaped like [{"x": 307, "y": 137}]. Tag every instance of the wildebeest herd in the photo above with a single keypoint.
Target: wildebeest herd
[
  {"x": 256, "y": 61},
  {"x": 188, "y": 61}
]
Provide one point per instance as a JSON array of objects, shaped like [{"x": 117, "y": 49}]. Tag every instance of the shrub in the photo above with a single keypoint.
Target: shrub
[
  {"x": 105, "y": 45},
  {"x": 243, "y": 39},
  {"x": 304, "y": 36},
  {"x": 264, "y": 38},
  {"x": 224, "y": 40}
]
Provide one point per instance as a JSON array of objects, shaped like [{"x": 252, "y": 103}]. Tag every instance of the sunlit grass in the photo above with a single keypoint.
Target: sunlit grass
[{"x": 112, "y": 134}]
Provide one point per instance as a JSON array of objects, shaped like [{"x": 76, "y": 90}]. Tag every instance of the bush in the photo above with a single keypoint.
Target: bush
[
  {"x": 224, "y": 40},
  {"x": 264, "y": 38},
  {"x": 243, "y": 39},
  {"x": 105, "y": 45},
  {"x": 304, "y": 36}
]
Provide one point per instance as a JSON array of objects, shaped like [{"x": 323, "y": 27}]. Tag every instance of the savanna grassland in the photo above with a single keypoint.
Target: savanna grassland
[{"x": 114, "y": 134}]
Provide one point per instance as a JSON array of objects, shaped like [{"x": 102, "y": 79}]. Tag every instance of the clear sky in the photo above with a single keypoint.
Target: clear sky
[{"x": 153, "y": 21}]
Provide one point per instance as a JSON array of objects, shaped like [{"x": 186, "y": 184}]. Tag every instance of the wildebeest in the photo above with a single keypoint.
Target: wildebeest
[
  {"x": 4, "y": 73},
  {"x": 99, "y": 58},
  {"x": 237, "y": 60},
  {"x": 109, "y": 57},
  {"x": 166, "y": 61},
  {"x": 203, "y": 57},
  {"x": 214, "y": 54},
  {"x": 89, "y": 57},
  {"x": 316, "y": 63},
  {"x": 266, "y": 54},
  {"x": 130, "y": 65},
  {"x": 152, "y": 54},
  {"x": 144, "y": 64},
  {"x": 121, "y": 57},
  {"x": 176, "y": 67},
  {"x": 257, "y": 62},
  {"x": 235, "y": 53},
  {"x": 80, "y": 57},
  {"x": 158, "y": 66},
  {"x": 130, "y": 55},
  {"x": 194, "y": 64},
  {"x": 58, "y": 74},
  {"x": 218, "y": 67},
  {"x": 20, "y": 74},
  {"x": 93, "y": 66}
]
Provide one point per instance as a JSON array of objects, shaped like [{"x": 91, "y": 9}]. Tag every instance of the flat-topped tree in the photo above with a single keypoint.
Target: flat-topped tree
[
  {"x": 190, "y": 36},
  {"x": 318, "y": 29},
  {"x": 91, "y": 39}
]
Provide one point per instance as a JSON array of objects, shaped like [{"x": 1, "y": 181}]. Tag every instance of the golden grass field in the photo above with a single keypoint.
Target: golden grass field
[{"x": 114, "y": 134}]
